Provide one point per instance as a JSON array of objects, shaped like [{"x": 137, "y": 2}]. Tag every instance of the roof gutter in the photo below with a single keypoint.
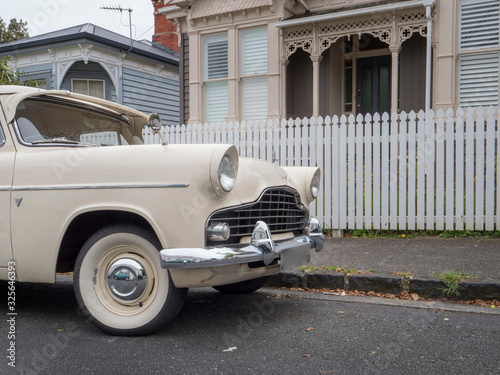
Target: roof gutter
[{"x": 355, "y": 12}]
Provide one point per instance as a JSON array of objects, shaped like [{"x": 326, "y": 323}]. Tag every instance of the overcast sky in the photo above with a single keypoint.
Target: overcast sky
[{"x": 44, "y": 16}]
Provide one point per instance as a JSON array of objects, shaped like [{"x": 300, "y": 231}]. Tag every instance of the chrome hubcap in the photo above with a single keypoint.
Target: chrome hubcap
[{"x": 126, "y": 280}]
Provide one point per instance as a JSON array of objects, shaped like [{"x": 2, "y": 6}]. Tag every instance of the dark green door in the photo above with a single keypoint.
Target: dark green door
[{"x": 373, "y": 81}]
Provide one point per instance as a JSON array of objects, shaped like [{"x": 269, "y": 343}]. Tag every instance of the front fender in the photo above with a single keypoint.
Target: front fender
[{"x": 302, "y": 176}]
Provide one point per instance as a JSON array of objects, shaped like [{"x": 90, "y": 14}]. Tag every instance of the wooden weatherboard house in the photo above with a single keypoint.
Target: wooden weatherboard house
[
  {"x": 91, "y": 60},
  {"x": 275, "y": 59}
]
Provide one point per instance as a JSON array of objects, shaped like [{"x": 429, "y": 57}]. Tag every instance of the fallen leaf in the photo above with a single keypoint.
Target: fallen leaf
[
  {"x": 492, "y": 306},
  {"x": 340, "y": 312},
  {"x": 230, "y": 349},
  {"x": 309, "y": 329},
  {"x": 60, "y": 330},
  {"x": 414, "y": 296},
  {"x": 446, "y": 319},
  {"x": 306, "y": 355}
]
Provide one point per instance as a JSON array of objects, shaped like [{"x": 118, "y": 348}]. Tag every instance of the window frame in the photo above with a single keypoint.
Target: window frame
[
  {"x": 88, "y": 86},
  {"x": 466, "y": 53},
  {"x": 461, "y": 43},
  {"x": 246, "y": 78},
  {"x": 207, "y": 82}
]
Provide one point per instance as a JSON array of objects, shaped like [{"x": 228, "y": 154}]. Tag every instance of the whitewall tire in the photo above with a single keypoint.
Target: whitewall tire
[{"x": 120, "y": 285}]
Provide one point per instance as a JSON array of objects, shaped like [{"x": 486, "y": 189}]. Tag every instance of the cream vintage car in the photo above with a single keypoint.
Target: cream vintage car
[{"x": 139, "y": 224}]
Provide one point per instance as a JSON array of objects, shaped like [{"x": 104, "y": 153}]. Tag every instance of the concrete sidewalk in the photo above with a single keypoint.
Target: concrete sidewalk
[
  {"x": 395, "y": 265},
  {"x": 420, "y": 256}
]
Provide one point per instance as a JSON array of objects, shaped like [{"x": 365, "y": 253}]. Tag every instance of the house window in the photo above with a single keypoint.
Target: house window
[
  {"x": 478, "y": 75},
  {"x": 92, "y": 87},
  {"x": 253, "y": 72},
  {"x": 40, "y": 83},
  {"x": 215, "y": 77}
]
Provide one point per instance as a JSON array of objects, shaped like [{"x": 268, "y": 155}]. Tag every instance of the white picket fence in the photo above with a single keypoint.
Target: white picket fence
[{"x": 406, "y": 171}]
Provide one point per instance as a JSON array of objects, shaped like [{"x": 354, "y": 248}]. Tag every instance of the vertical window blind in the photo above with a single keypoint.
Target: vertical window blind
[
  {"x": 254, "y": 85},
  {"x": 478, "y": 72},
  {"x": 215, "y": 66}
]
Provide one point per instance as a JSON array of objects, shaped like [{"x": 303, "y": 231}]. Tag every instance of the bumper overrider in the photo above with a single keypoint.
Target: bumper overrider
[{"x": 291, "y": 253}]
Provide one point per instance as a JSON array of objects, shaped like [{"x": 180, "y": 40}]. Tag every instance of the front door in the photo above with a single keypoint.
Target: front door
[
  {"x": 7, "y": 154},
  {"x": 373, "y": 85}
]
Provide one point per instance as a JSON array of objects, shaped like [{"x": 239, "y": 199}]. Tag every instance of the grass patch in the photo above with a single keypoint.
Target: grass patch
[
  {"x": 372, "y": 233},
  {"x": 309, "y": 268},
  {"x": 451, "y": 279}
]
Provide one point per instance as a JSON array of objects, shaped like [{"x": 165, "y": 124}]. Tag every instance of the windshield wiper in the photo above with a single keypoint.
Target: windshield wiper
[{"x": 60, "y": 141}]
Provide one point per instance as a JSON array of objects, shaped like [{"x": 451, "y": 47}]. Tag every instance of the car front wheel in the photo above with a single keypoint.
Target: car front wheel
[{"x": 120, "y": 285}]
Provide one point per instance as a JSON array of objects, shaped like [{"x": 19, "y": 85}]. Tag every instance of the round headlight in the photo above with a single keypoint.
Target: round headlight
[
  {"x": 227, "y": 173},
  {"x": 315, "y": 186}
]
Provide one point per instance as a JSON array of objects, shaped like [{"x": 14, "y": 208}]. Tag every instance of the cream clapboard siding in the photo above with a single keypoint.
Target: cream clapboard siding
[{"x": 380, "y": 172}]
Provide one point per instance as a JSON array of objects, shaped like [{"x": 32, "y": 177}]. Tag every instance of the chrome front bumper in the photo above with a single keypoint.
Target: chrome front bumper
[{"x": 291, "y": 253}]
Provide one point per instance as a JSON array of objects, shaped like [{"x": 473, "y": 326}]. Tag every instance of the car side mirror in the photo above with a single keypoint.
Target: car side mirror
[{"x": 155, "y": 126}]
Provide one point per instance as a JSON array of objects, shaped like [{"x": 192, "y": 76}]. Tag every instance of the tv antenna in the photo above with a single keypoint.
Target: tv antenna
[{"x": 129, "y": 19}]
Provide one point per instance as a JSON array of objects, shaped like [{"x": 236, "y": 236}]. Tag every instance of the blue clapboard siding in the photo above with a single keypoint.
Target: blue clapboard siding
[{"x": 149, "y": 93}]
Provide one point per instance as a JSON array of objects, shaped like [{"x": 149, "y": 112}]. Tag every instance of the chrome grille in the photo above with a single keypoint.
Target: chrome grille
[{"x": 279, "y": 208}]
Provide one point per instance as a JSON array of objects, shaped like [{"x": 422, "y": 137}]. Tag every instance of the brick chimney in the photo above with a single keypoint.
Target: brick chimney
[{"x": 165, "y": 30}]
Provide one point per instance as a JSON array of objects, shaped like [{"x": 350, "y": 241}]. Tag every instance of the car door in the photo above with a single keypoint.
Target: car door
[{"x": 7, "y": 155}]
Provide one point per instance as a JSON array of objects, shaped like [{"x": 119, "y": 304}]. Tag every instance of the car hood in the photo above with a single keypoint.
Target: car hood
[{"x": 254, "y": 176}]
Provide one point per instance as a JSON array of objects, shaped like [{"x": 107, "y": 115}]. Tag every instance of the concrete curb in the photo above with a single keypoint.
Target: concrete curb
[{"x": 423, "y": 285}]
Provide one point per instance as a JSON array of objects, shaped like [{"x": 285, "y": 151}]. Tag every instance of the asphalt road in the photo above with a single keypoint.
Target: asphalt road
[{"x": 269, "y": 332}]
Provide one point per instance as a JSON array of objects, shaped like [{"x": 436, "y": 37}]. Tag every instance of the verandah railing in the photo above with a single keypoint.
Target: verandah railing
[{"x": 406, "y": 171}]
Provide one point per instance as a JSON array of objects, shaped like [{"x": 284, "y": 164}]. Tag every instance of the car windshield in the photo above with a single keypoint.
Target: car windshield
[{"x": 48, "y": 121}]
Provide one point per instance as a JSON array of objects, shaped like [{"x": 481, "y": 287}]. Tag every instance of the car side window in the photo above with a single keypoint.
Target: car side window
[{"x": 2, "y": 137}]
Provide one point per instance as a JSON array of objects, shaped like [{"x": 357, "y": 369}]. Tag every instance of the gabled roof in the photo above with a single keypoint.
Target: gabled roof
[{"x": 94, "y": 34}]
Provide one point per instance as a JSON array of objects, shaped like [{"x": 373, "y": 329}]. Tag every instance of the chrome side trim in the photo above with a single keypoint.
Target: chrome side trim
[
  {"x": 97, "y": 187},
  {"x": 4, "y": 188}
]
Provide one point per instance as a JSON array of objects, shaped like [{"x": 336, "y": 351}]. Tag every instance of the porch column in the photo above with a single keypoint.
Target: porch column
[
  {"x": 428, "y": 64},
  {"x": 316, "y": 60},
  {"x": 394, "y": 77},
  {"x": 232, "y": 86},
  {"x": 195, "y": 86},
  {"x": 284, "y": 64}
]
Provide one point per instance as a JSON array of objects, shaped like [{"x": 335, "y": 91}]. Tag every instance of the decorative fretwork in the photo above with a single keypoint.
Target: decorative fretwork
[
  {"x": 406, "y": 32},
  {"x": 406, "y": 18},
  {"x": 384, "y": 35},
  {"x": 295, "y": 34},
  {"x": 326, "y": 42},
  {"x": 291, "y": 47},
  {"x": 381, "y": 28},
  {"x": 355, "y": 26}
]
